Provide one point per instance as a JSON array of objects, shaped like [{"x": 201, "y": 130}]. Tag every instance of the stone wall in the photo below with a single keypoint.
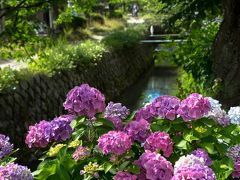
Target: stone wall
[{"x": 41, "y": 97}]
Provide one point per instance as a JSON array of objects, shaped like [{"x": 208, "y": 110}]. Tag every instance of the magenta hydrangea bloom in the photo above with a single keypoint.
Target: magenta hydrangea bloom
[
  {"x": 159, "y": 141},
  {"x": 166, "y": 107},
  {"x": 15, "y": 172},
  {"x": 193, "y": 172},
  {"x": 115, "y": 113},
  {"x": 138, "y": 130},
  {"x": 61, "y": 129},
  {"x": 195, "y": 106},
  {"x": 5, "y": 146},
  {"x": 124, "y": 176},
  {"x": 81, "y": 153},
  {"x": 85, "y": 100},
  {"x": 146, "y": 113},
  {"x": 39, "y": 135},
  {"x": 115, "y": 142},
  {"x": 201, "y": 153},
  {"x": 156, "y": 166}
]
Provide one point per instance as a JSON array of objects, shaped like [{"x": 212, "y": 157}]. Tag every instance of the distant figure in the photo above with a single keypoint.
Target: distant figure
[
  {"x": 151, "y": 30},
  {"x": 135, "y": 10}
]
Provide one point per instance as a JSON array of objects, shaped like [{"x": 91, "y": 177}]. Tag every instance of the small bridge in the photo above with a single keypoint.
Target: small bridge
[{"x": 164, "y": 38}]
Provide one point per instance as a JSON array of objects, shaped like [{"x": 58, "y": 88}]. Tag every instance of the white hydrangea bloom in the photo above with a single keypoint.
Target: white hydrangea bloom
[
  {"x": 214, "y": 103},
  {"x": 234, "y": 115}
]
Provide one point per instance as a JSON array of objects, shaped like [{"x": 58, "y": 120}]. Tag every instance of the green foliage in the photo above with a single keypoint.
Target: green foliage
[
  {"x": 66, "y": 56},
  {"x": 120, "y": 39},
  {"x": 9, "y": 78}
]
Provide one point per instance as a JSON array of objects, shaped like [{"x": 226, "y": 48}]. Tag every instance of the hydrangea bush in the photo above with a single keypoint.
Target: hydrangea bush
[{"x": 168, "y": 139}]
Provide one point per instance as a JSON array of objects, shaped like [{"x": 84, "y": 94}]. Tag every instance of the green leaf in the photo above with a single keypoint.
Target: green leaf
[
  {"x": 209, "y": 147},
  {"x": 190, "y": 137},
  {"x": 223, "y": 168},
  {"x": 182, "y": 144},
  {"x": 124, "y": 165},
  {"x": 107, "y": 166},
  {"x": 48, "y": 169}
]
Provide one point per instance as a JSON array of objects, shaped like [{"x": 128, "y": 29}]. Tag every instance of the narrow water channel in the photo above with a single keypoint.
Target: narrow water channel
[{"x": 158, "y": 81}]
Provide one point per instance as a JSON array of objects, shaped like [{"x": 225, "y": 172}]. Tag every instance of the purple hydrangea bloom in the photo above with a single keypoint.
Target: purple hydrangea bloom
[
  {"x": 195, "y": 106},
  {"x": 124, "y": 176},
  {"x": 15, "y": 172},
  {"x": 115, "y": 112},
  {"x": 159, "y": 141},
  {"x": 5, "y": 146},
  {"x": 138, "y": 130},
  {"x": 68, "y": 117},
  {"x": 196, "y": 171},
  {"x": 115, "y": 142},
  {"x": 85, "y": 100},
  {"x": 81, "y": 153},
  {"x": 166, "y": 107},
  {"x": 39, "y": 135},
  {"x": 61, "y": 129},
  {"x": 234, "y": 152},
  {"x": 236, "y": 171},
  {"x": 146, "y": 113},
  {"x": 201, "y": 153},
  {"x": 156, "y": 166}
]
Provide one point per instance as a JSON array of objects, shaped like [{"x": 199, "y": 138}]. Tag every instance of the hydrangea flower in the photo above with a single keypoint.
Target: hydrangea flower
[
  {"x": 159, "y": 141},
  {"x": 81, "y": 153},
  {"x": 67, "y": 117},
  {"x": 188, "y": 160},
  {"x": 5, "y": 146},
  {"x": 217, "y": 114},
  {"x": 234, "y": 115},
  {"x": 61, "y": 129},
  {"x": 236, "y": 171},
  {"x": 53, "y": 151},
  {"x": 192, "y": 167},
  {"x": 124, "y": 176},
  {"x": 234, "y": 152},
  {"x": 193, "y": 172},
  {"x": 115, "y": 142},
  {"x": 166, "y": 107},
  {"x": 85, "y": 100},
  {"x": 146, "y": 113},
  {"x": 138, "y": 130},
  {"x": 201, "y": 153},
  {"x": 156, "y": 166},
  {"x": 15, "y": 172},
  {"x": 39, "y": 135},
  {"x": 195, "y": 106},
  {"x": 115, "y": 112}
]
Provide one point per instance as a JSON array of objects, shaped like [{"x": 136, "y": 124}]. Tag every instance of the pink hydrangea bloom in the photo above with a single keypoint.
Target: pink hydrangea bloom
[
  {"x": 166, "y": 107},
  {"x": 156, "y": 166},
  {"x": 159, "y": 141},
  {"x": 124, "y": 176},
  {"x": 85, "y": 100},
  {"x": 195, "y": 106},
  {"x": 81, "y": 153},
  {"x": 138, "y": 130},
  {"x": 236, "y": 171},
  {"x": 115, "y": 142}
]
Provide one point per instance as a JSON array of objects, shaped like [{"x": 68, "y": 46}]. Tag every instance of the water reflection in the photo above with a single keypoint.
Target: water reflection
[{"x": 158, "y": 81}]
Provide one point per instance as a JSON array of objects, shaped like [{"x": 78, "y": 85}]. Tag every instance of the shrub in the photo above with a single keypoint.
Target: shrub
[
  {"x": 120, "y": 39},
  {"x": 183, "y": 139},
  {"x": 66, "y": 56}
]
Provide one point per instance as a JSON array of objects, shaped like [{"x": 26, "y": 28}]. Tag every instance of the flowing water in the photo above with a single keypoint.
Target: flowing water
[{"x": 158, "y": 81}]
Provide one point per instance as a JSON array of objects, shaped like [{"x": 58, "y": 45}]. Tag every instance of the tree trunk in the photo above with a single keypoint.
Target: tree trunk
[{"x": 226, "y": 64}]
